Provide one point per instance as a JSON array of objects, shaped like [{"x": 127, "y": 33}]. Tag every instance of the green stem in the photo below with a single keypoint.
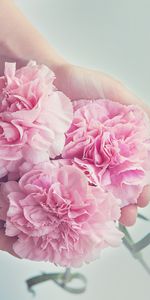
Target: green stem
[
  {"x": 143, "y": 243},
  {"x": 140, "y": 216},
  {"x": 144, "y": 264},
  {"x": 61, "y": 279},
  {"x": 135, "y": 248}
]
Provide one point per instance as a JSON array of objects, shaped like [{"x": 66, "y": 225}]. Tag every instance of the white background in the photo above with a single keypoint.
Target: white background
[{"x": 113, "y": 36}]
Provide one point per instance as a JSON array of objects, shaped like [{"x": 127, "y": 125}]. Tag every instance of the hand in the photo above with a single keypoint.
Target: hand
[
  {"x": 76, "y": 82},
  {"x": 80, "y": 83}
]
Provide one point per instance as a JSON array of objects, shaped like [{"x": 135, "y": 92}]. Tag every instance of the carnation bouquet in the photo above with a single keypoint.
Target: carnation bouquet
[{"x": 67, "y": 169}]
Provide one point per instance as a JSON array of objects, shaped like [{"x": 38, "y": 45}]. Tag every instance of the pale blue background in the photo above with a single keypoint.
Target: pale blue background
[{"x": 113, "y": 36}]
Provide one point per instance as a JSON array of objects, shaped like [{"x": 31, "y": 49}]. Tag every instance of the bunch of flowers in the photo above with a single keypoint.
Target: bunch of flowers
[{"x": 66, "y": 169}]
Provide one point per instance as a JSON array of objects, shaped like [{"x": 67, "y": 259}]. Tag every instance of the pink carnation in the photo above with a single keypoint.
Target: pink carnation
[
  {"x": 58, "y": 217},
  {"x": 110, "y": 142},
  {"x": 33, "y": 117}
]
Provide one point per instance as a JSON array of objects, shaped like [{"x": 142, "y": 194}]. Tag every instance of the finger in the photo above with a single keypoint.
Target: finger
[
  {"x": 6, "y": 243},
  {"x": 144, "y": 198},
  {"x": 128, "y": 215}
]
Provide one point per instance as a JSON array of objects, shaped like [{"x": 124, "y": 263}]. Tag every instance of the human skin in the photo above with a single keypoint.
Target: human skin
[{"x": 21, "y": 42}]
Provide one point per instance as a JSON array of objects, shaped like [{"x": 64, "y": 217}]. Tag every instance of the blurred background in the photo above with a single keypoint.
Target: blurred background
[{"x": 112, "y": 36}]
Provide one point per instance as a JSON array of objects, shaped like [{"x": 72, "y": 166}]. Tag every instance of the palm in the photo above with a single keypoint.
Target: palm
[{"x": 80, "y": 83}]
